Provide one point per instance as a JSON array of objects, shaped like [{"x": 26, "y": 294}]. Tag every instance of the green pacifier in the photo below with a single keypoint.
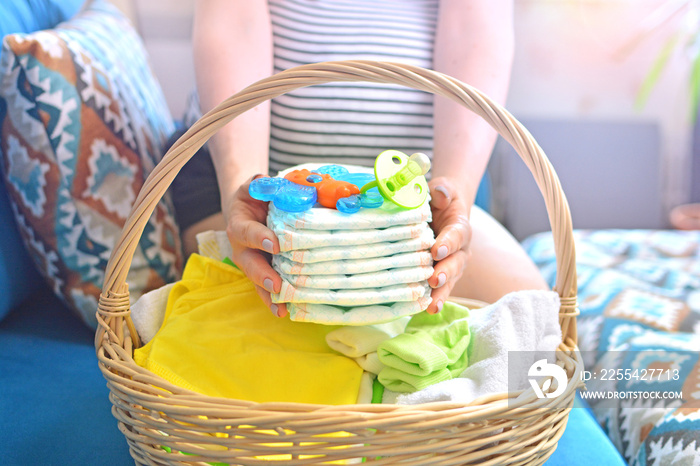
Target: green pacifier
[{"x": 400, "y": 179}]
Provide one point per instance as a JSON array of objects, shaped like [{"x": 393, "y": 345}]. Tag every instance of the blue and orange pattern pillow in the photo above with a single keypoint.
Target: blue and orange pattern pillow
[
  {"x": 85, "y": 122},
  {"x": 639, "y": 297}
]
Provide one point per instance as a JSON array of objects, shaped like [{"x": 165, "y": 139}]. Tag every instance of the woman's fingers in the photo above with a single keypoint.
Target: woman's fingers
[
  {"x": 444, "y": 278},
  {"x": 451, "y": 248},
  {"x": 258, "y": 269},
  {"x": 441, "y": 193},
  {"x": 252, "y": 234},
  {"x": 277, "y": 309},
  {"x": 256, "y": 266},
  {"x": 452, "y": 238},
  {"x": 439, "y": 296},
  {"x": 450, "y": 219},
  {"x": 448, "y": 269},
  {"x": 251, "y": 240}
]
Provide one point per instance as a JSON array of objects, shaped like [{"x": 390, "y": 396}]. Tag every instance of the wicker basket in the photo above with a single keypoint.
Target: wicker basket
[{"x": 165, "y": 424}]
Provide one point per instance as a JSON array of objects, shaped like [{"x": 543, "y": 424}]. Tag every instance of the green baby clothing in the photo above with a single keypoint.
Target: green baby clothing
[{"x": 432, "y": 349}]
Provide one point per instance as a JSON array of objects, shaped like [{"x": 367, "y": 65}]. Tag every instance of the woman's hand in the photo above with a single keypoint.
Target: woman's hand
[
  {"x": 252, "y": 244},
  {"x": 451, "y": 249}
]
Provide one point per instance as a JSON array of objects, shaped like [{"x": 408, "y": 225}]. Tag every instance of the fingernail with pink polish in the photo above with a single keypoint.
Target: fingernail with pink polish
[
  {"x": 443, "y": 190},
  {"x": 274, "y": 308},
  {"x": 441, "y": 253},
  {"x": 442, "y": 278},
  {"x": 268, "y": 246},
  {"x": 268, "y": 285},
  {"x": 438, "y": 305}
]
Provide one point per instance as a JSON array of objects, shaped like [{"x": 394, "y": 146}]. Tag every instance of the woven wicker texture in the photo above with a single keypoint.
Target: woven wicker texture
[{"x": 165, "y": 424}]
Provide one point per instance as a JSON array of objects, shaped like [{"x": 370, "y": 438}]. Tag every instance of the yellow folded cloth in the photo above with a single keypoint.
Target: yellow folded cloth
[{"x": 219, "y": 339}]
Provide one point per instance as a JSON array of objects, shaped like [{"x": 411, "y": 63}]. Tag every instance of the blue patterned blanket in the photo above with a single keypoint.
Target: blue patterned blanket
[{"x": 639, "y": 297}]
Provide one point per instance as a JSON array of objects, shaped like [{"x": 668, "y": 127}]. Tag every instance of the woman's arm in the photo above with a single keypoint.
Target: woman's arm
[
  {"x": 232, "y": 42},
  {"x": 473, "y": 43}
]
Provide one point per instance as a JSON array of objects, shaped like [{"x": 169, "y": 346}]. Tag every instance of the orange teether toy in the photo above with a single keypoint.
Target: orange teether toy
[{"x": 329, "y": 190}]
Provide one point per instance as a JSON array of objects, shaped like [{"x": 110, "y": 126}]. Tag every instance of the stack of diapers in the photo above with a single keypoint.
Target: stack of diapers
[{"x": 367, "y": 267}]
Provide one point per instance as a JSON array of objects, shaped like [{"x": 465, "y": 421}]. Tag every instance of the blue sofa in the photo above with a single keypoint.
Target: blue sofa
[{"x": 54, "y": 403}]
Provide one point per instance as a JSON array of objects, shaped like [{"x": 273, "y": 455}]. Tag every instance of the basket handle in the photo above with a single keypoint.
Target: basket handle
[{"x": 113, "y": 307}]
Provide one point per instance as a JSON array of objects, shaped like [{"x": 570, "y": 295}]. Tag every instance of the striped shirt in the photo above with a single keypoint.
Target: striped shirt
[{"x": 350, "y": 122}]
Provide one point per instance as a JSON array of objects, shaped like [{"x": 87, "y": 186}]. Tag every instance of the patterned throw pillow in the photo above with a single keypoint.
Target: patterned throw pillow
[{"x": 85, "y": 122}]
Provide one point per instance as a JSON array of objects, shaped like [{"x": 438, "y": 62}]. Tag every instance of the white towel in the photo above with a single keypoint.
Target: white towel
[
  {"x": 526, "y": 322},
  {"x": 214, "y": 245},
  {"x": 148, "y": 312}
]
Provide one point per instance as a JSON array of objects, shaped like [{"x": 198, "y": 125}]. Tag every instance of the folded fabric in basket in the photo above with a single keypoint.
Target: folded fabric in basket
[
  {"x": 219, "y": 339},
  {"x": 148, "y": 312},
  {"x": 359, "y": 297},
  {"x": 361, "y": 280},
  {"x": 432, "y": 349},
  {"x": 214, "y": 245},
  {"x": 361, "y": 342},
  {"x": 354, "y": 266},
  {"x": 355, "y": 342},
  {"x": 370, "y": 363},
  {"x": 291, "y": 238},
  {"x": 362, "y": 251}
]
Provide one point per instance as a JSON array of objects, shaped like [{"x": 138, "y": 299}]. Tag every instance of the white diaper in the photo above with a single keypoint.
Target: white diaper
[
  {"x": 353, "y": 266},
  {"x": 355, "y": 315},
  {"x": 291, "y": 238},
  {"x": 360, "y": 280},
  {"x": 360, "y": 297},
  {"x": 308, "y": 256}
]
